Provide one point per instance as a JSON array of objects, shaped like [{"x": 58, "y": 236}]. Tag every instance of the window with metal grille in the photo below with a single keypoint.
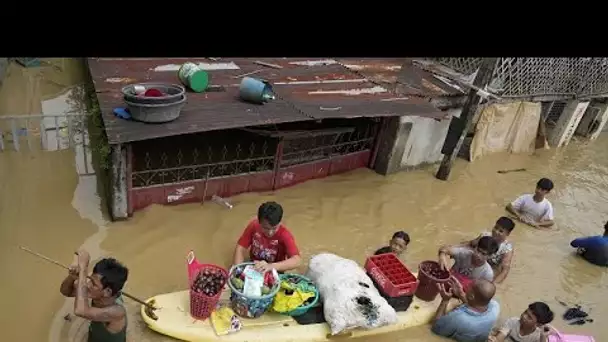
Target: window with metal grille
[{"x": 555, "y": 111}]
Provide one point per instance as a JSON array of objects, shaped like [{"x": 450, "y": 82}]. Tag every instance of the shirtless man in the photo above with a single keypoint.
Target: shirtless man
[
  {"x": 534, "y": 209},
  {"x": 98, "y": 296}
]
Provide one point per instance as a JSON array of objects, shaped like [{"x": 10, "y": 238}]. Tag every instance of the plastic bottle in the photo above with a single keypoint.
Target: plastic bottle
[{"x": 217, "y": 199}]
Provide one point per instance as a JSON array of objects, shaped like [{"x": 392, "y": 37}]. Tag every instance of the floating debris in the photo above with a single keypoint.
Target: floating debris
[
  {"x": 575, "y": 315},
  {"x": 575, "y": 312},
  {"x": 509, "y": 171},
  {"x": 581, "y": 321},
  {"x": 221, "y": 201}
]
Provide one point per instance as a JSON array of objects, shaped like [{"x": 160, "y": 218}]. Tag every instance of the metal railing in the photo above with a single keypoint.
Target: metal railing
[
  {"x": 42, "y": 132},
  {"x": 535, "y": 76}
]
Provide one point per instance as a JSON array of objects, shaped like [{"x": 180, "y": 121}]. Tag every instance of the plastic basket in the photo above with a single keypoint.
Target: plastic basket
[
  {"x": 202, "y": 305},
  {"x": 247, "y": 306},
  {"x": 559, "y": 337},
  {"x": 391, "y": 275},
  {"x": 304, "y": 308}
]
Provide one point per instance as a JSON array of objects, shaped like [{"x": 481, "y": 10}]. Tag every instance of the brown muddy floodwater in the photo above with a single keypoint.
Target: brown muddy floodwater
[{"x": 49, "y": 207}]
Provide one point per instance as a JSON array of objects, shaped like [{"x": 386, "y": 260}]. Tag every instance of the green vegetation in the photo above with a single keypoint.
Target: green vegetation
[
  {"x": 98, "y": 139},
  {"x": 98, "y": 143}
]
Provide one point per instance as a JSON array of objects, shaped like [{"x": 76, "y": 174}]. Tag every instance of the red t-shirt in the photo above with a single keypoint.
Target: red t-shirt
[{"x": 279, "y": 247}]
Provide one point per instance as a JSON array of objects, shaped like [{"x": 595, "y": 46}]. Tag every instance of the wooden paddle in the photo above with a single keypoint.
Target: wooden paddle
[{"x": 149, "y": 306}]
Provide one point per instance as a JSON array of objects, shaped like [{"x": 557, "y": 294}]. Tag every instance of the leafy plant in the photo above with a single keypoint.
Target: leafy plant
[{"x": 98, "y": 139}]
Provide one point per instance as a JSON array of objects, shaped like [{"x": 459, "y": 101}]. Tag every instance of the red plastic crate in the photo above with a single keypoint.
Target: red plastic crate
[{"x": 391, "y": 275}]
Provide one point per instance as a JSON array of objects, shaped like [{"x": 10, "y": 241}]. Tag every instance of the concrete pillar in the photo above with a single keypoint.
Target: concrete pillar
[
  {"x": 4, "y": 63},
  {"x": 118, "y": 183},
  {"x": 567, "y": 123},
  {"x": 392, "y": 146}
]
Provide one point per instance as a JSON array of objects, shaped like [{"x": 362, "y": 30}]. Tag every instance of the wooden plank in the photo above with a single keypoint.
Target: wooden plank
[
  {"x": 299, "y": 133},
  {"x": 270, "y": 65}
]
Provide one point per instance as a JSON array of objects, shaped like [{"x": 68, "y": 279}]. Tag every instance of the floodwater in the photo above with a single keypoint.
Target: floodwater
[{"x": 51, "y": 207}]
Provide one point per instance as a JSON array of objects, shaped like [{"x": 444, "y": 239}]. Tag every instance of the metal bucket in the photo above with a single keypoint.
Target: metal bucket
[
  {"x": 175, "y": 93},
  {"x": 155, "y": 113},
  {"x": 255, "y": 91}
]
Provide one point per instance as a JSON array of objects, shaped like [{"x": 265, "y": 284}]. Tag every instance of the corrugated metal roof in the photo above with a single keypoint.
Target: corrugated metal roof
[
  {"x": 416, "y": 81},
  {"x": 307, "y": 88}
]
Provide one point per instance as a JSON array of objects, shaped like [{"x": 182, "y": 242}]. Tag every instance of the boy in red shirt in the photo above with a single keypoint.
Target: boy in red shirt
[{"x": 269, "y": 242}]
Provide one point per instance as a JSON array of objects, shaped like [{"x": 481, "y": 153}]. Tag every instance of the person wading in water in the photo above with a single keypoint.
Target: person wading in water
[
  {"x": 268, "y": 242},
  {"x": 593, "y": 248},
  {"x": 501, "y": 260},
  {"x": 98, "y": 297},
  {"x": 535, "y": 209},
  {"x": 471, "y": 321}
]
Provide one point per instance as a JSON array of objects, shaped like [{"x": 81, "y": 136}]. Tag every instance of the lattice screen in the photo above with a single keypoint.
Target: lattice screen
[{"x": 520, "y": 76}]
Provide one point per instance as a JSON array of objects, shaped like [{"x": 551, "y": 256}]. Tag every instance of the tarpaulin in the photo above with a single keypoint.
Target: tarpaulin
[{"x": 511, "y": 127}]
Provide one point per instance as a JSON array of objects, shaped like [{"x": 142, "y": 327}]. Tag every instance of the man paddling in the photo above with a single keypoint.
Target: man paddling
[{"x": 98, "y": 297}]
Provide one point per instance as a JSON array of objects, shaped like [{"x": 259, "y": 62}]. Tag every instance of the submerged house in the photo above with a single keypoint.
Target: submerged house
[
  {"x": 550, "y": 100},
  {"x": 330, "y": 116}
]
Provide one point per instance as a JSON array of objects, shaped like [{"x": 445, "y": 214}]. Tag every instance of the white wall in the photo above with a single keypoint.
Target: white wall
[
  {"x": 426, "y": 139},
  {"x": 567, "y": 123}
]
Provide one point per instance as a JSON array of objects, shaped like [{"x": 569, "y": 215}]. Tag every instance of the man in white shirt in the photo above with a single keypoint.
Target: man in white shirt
[{"x": 534, "y": 209}]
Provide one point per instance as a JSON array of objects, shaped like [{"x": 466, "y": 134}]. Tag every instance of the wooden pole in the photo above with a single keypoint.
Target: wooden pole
[
  {"x": 140, "y": 301},
  {"x": 483, "y": 77}
]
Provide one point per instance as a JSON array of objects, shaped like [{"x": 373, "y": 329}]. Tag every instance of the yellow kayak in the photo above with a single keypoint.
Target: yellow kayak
[{"x": 174, "y": 320}]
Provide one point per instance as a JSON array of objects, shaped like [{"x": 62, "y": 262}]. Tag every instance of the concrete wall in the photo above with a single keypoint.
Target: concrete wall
[
  {"x": 4, "y": 63},
  {"x": 411, "y": 141},
  {"x": 425, "y": 140}
]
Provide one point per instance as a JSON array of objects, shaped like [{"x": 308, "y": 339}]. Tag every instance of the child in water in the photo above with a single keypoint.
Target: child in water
[
  {"x": 397, "y": 244},
  {"x": 531, "y": 326}
]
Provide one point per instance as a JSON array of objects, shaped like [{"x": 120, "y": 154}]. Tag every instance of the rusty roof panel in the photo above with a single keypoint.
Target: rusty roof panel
[
  {"x": 415, "y": 80},
  {"x": 306, "y": 88},
  {"x": 206, "y": 118}
]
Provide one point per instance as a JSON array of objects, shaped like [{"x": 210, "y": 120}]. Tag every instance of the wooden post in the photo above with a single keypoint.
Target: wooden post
[
  {"x": 483, "y": 77},
  {"x": 119, "y": 182},
  {"x": 277, "y": 163}
]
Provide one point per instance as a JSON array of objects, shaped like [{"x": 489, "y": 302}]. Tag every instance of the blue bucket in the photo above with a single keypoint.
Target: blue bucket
[
  {"x": 247, "y": 306},
  {"x": 255, "y": 91}
]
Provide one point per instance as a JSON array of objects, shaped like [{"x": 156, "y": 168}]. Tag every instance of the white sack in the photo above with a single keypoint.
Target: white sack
[{"x": 350, "y": 299}]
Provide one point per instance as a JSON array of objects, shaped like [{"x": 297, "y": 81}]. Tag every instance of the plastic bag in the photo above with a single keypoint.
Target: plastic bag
[
  {"x": 254, "y": 281},
  {"x": 350, "y": 300},
  {"x": 225, "y": 321}
]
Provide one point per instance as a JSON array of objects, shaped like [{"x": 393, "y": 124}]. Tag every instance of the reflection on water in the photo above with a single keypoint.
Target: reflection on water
[{"x": 46, "y": 206}]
